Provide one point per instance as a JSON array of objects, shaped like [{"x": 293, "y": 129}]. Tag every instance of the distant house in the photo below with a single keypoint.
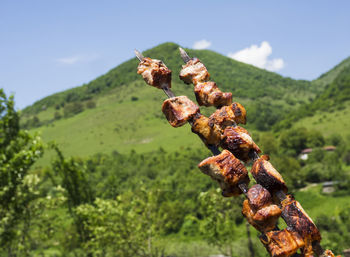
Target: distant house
[
  {"x": 329, "y": 148},
  {"x": 328, "y": 187},
  {"x": 305, "y": 153},
  {"x": 347, "y": 253}
]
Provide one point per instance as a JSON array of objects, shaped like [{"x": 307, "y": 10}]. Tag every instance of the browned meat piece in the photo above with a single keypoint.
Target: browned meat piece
[
  {"x": 208, "y": 94},
  {"x": 154, "y": 72},
  {"x": 238, "y": 141},
  {"x": 297, "y": 220},
  {"x": 266, "y": 175},
  {"x": 193, "y": 72},
  {"x": 226, "y": 169},
  {"x": 282, "y": 243},
  {"x": 328, "y": 253},
  {"x": 178, "y": 110},
  {"x": 209, "y": 133},
  {"x": 228, "y": 116},
  {"x": 259, "y": 209},
  {"x": 240, "y": 113},
  {"x": 258, "y": 197},
  {"x": 263, "y": 219}
]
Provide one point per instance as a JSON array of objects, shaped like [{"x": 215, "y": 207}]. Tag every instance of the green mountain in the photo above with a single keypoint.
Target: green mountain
[
  {"x": 327, "y": 78},
  {"x": 329, "y": 111},
  {"x": 119, "y": 112}
]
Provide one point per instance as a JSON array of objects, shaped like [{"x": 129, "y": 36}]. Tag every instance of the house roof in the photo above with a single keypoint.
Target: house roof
[
  {"x": 307, "y": 150},
  {"x": 329, "y": 148}
]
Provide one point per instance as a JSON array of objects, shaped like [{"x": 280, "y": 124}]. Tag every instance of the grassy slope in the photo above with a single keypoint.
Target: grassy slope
[
  {"x": 330, "y": 110},
  {"x": 328, "y": 123},
  {"x": 120, "y": 124}
]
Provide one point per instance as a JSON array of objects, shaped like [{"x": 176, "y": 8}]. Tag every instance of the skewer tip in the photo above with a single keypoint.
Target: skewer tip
[
  {"x": 139, "y": 55},
  {"x": 184, "y": 55}
]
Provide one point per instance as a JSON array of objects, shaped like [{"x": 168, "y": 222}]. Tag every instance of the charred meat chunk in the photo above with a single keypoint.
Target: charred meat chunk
[
  {"x": 282, "y": 243},
  {"x": 178, "y": 110},
  {"x": 228, "y": 116},
  {"x": 209, "y": 133},
  {"x": 267, "y": 176},
  {"x": 208, "y": 94},
  {"x": 227, "y": 170},
  {"x": 297, "y": 220},
  {"x": 193, "y": 72},
  {"x": 155, "y": 73},
  {"x": 238, "y": 141},
  {"x": 260, "y": 210},
  {"x": 258, "y": 197}
]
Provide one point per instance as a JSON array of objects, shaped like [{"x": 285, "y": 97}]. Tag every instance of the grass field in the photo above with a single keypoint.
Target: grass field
[{"x": 337, "y": 121}]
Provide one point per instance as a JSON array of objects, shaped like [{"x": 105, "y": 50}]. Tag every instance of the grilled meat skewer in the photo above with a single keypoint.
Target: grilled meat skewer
[
  {"x": 238, "y": 141},
  {"x": 178, "y": 110},
  {"x": 222, "y": 123},
  {"x": 259, "y": 209},
  {"x": 207, "y": 92},
  {"x": 267, "y": 176},
  {"x": 226, "y": 169},
  {"x": 229, "y": 116},
  {"x": 297, "y": 220},
  {"x": 209, "y": 133},
  {"x": 155, "y": 73},
  {"x": 282, "y": 243}
]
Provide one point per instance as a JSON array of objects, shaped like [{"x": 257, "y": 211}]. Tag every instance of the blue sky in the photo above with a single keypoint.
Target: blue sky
[{"x": 49, "y": 46}]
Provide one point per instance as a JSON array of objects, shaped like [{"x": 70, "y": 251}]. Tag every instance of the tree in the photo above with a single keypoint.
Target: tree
[
  {"x": 18, "y": 152},
  {"x": 126, "y": 226},
  {"x": 79, "y": 191},
  {"x": 220, "y": 217}
]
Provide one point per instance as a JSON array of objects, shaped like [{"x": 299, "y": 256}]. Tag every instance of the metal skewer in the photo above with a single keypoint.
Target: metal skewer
[
  {"x": 184, "y": 55},
  {"x": 139, "y": 55}
]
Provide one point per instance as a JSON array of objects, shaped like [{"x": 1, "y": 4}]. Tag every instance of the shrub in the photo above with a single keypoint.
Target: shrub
[
  {"x": 72, "y": 109},
  {"x": 90, "y": 104}
]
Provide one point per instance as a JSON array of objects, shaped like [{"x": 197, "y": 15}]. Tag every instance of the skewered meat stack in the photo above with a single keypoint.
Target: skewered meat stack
[{"x": 221, "y": 130}]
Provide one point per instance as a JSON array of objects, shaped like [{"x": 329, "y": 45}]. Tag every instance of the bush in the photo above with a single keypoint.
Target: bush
[
  {"x": 57, "y": 116},
  {"x": 90, "y": 104},
  {"x": 73, "y": 109}
]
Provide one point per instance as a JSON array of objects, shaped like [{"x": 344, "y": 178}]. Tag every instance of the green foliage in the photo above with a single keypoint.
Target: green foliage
[
  {"x": 72, "y": 109},
  {"x": 127, "y": 226},
  {"x": 90, "y": 104},
  {"x": 335, "y": 230},
  {"x": 293, "y": 141},
  {"x": 57, "y": 116},
  {"x": 221, "y": 216},
  {"x": 18, "y": 152}
]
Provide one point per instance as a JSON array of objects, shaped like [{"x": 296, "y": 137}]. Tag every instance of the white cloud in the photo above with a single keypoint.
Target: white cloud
[
  {"x": 77, "y": 59},
  {"x": 201, "y": 44},
  {"x": 258, "y": 56}
]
